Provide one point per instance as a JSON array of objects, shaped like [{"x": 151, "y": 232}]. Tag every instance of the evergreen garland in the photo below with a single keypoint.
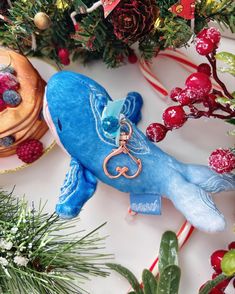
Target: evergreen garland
[{"x": 40, "y": 255}]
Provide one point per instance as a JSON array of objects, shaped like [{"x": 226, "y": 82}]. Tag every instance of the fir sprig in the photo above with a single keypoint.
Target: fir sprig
[{"x": 39, "y": 254}]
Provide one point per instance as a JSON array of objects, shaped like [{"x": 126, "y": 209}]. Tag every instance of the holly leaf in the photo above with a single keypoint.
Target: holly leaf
[
  {"x": 231, "y": 121},
  {"x": 128, "y": 275},
  {"x": 228, "y": 263},
  {"x": 149, "y": 282},
  {"x": 169, "y": 280},
  {"x": 229, "y": 59},
  {"x": 168, "y": 253}
]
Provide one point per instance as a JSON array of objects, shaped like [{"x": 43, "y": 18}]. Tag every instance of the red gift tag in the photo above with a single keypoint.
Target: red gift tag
[
  {"x": 184, "y": 9},
  {"x": 109, "y": 6}
]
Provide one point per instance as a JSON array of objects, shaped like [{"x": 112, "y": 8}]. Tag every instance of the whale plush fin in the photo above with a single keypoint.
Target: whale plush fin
[
  {"x": 195, "y": 204},
  {"x": 132, "y": 107},
  {"x": 145, "y": 203},
  {"x": 79, "y": 186},
  {"x": 208, "y": 180}
]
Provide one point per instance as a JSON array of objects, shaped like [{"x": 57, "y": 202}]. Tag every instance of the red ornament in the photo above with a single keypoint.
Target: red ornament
[
  {"x": 184, "y": 9},
  {"x": 63, "y": 55}
]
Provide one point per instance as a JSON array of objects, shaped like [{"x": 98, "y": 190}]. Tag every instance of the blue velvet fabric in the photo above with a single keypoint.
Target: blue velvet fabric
[{"x": 75, "y": 104}]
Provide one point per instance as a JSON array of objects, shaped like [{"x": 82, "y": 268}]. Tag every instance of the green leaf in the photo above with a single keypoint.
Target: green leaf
[
  {"x": 228, "y": 263},
  {"x": 231, "y": 121},
  {"x": 168, "y": 253},
  {"x": 169, "y": 280},
  {"x": 128, "y": 275},
  {"x": 223, "y": 100},
  {"x": 226, "y": 57},
  {"x": 211, "y": 284},
  {"x": 149, "y": 282}
]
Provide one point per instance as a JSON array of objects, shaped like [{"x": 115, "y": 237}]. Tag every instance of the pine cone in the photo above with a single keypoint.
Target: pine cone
[{"x": 132, "y": 19}]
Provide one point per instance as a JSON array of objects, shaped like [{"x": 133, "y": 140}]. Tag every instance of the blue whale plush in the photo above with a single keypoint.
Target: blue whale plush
[{"x": 74, "y": 106}]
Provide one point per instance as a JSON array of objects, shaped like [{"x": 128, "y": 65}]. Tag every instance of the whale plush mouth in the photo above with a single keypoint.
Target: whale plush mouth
[{"x": 49, "y": 121}]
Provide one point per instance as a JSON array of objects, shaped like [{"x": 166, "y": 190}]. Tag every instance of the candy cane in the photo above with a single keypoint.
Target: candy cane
[{"x": 177, "y": 56}]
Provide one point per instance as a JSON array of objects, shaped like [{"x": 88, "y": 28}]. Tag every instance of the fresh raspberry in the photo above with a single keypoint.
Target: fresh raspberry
[
  {"x": 174, "y": 93},
  {"x": 30, "y": 150},
  {"x": 2, "y": 105},
  {"x": 7, "y": 82},
  {"x": 187, "y": 96},
  {"x": 174, "y": 117},
  {"x": 200, "y": 83},
  {"x": 216, "y": 259},
  {"x": 204, "y": 46},
  {"x": 156, "y": 132},
  {"x": 222, "y": 161},
  {"x": 231, "y": 245},
  {"x": 204, "y": 68},
  {"x": 213, "y": 35},
  {"x": 132, "y": 58},
  {"x": 223, "y": 285}
]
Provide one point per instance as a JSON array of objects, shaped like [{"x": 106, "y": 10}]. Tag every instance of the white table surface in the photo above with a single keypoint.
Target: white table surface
[{"x": 135, "y": 242}]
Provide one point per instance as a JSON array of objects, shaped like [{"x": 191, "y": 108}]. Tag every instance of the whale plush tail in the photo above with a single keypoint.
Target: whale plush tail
[{"x": 189, "y": 191}]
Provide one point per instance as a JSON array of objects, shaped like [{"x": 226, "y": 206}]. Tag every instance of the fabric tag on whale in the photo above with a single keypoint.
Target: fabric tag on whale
[{"x": 146, "y": 203}]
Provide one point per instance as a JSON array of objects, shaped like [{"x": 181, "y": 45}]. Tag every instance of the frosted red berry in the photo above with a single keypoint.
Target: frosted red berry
[
  {"x": 174, "y": 117},
  {"x": 213, "y": 35},
  {"x": 222, "y": 161},
  {"x": 204, "y": 68},
  {"x": 222, "y": 285},
  {"x": 2, "y": 105},
  {"x": 200, "y": 83},
  {"x": 30, "y": 150},
  {"x": 8, "y": 82},
  {"x": 210, "y": 101},
  {"x": 204, "y": 46},
  {"x": 63, "y": 55},
  {"x": 231, "y": 245},
  {"x": 202, "y": 34},
  {"x": 187, "y": 96},
  {"x": 156, "y": 132},
  {"x": 174, "y": 93},
  {"x": 132, "y": 58},
  {"x": 216, "y": 258}
]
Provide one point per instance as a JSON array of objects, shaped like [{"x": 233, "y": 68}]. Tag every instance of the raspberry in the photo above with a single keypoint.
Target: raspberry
[
  {"x": 174, "y": 93},
  {"x": 2, "y": 105},
  {"x": 216, "y": 258},
  {"x": 30, "y": 150},
  {"x": 204, "y": 68},
  {"x": 11, "y": 98},
  {"x": 223, "y": 284},
  {"x": 187, "y": 96},
  {"x": 200, "y": 83},
  {"x": 222, "y": 161},
  {"x": 204, "y": 46},
  {"x": 8, "y": 82},
  {"x": 7, "y": 141},
  {"x": 156, "y": 132},
  {"x": 213, "y": 35},
  {"x": 174, "y": 117}
]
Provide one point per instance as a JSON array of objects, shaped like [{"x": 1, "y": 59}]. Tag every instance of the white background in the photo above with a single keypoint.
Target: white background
[{"x": 135, "y": 241}]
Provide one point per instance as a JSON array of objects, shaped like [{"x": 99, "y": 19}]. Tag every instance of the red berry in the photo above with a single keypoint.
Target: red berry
[
  {"x": 214, "y": 35},
  {"x": 187, "y": 96},
  {"x": 63, "y": 55},
  {"x": 156, "y": 132},
  {"x": 2, "y": 105},
  {"x": 8, "y": 82},
  {"x": 204, "y": 46},
  {"x": 29, "y": 150},
  {"x": 204, "y": 68},
  {"x": 231, "y": 245},
  {"x": 210, "y": 101},
  {"x": 222, "y": 161},
  {"x": 216, "y": 258},
  {"x": 132, "y": 58},
  {"x": 200, "y": 83},
  {"x": 202, "y": 34},
  {"x": 222, "y": 285},
  {"x": 174, "y": 93},
  {"x": 174, "y": 117}
]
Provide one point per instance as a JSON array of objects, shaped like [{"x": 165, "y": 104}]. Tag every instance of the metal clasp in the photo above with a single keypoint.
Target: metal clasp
[{"x": 122, "y": 171}]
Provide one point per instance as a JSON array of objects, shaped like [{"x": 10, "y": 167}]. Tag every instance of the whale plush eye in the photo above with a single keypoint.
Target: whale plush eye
[{"x": 59, "y": 125}]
